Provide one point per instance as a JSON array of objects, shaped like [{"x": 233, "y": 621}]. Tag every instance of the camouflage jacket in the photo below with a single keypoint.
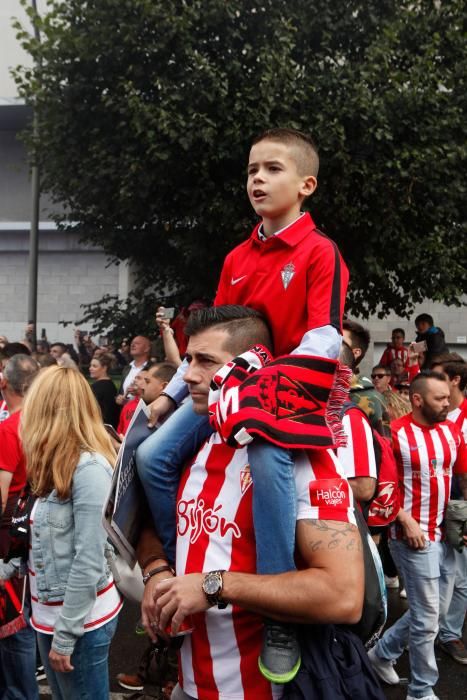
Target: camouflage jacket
[{"x": 364, "y": 395}]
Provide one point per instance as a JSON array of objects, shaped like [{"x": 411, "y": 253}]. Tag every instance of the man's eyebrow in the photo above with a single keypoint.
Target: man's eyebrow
[{"x": 200, "y": 356}]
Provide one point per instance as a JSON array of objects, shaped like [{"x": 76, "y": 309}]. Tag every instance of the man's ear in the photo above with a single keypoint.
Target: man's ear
[
  {"x": 417, "y": 400},
  {"x": 455, "y": 381},
  {"x": 357, "y": 353}
]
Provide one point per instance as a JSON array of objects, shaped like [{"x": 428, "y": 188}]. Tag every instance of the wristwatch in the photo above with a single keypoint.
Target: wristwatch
[{"x": 212, "y": 588}]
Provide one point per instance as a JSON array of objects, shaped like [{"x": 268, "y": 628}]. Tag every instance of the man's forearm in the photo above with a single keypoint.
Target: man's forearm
[
  {"x": 309, "y": 596},
  {"x": 329, "y": 590}
]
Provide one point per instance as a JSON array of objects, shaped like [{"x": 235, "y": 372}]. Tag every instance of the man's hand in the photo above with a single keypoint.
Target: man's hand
[
  {"x": 412, "y": 532},
  {"x": 120, "y": 399},
  {"x": 148, "y": 605},
  {"x": 178, "y": 597},
  {"x": 60, "y": 662},
  {"x": 160, "y": 407}
]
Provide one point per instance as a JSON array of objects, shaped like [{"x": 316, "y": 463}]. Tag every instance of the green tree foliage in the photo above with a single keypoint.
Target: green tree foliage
[{"x": 146, "y": 109}]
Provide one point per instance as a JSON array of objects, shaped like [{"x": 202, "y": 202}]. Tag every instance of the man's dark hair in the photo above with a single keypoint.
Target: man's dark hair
[
  {"x": 385, "y": 369},
  {"x": 424, "y": 318},
  {"x": 305, "y": 149},
  {"x": 359, "y": 336},
  {"x": 418, "y": 385},
  {"x": 60, "y": 345},
  {"x": 456, "y": 369},
  {"x": 162, "y": 370},
  {"x": 346, "y": 356},
  {"x": 19, "y": 372},
  {"x": 245, "y": 326},
  {"x": 445, "y": 357},
  {"x": 11, "y": 349},
  {"x": 398, "y": 330}
]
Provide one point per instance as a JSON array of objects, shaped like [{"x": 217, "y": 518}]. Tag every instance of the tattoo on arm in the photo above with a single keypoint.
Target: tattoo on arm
[{"x": 330, "y": 534}]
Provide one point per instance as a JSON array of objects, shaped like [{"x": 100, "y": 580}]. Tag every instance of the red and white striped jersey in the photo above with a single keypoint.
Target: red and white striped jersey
[
  {"x": 219, "y": 659},
  {"x": 392, "y": 353},
  {"x": 459, "y": 417},
  {"x": 426, "y": 459},
  {"x": 358, "y": 456}
]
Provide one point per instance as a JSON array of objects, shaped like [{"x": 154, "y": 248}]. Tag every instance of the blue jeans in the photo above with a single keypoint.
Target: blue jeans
[
  {"x": 159, "y": 460},
  {"x": 451, "y": 622},
  {"x": 18, "y": 666},
  {"x": 90, "y": 678},
  {"x": 428, "y": 578}
]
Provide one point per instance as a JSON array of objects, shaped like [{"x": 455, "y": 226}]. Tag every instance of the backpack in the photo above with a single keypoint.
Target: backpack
[
  {"x": 382, "y": 509},
  {"x": 375, "y": 600}
]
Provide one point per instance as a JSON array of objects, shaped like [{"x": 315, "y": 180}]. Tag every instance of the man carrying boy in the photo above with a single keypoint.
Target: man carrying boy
[
  {"x": 293, "y": 275},
  {"x": 216, "y": 578}
]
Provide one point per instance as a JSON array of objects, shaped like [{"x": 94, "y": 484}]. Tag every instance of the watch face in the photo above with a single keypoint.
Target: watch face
[{"x": 211, "y": 585}]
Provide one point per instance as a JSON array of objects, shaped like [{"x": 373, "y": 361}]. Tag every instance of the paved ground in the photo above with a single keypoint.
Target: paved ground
[{"x": 127, "y": 648}]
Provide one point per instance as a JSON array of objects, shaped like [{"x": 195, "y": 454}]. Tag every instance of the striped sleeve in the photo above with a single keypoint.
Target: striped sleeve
[{"x": 358, "y": 456}]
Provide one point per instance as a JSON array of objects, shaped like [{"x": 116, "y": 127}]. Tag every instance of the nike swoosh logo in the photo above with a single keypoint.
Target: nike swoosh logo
[{"x": 236, "y": 281}]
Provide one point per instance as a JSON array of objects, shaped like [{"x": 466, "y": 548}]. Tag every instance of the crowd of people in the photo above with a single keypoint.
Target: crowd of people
[{"x": 271, "y": 460}]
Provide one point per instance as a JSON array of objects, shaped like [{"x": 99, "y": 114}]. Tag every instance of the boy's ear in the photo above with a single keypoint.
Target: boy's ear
[{"x": 309, "y": 184}]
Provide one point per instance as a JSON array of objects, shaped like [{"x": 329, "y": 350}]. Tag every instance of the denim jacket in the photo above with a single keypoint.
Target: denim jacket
[{"x": 70, "y": 548}]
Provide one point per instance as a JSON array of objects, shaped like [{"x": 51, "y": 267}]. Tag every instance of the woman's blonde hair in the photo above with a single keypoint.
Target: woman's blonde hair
[
  {"x": 60, "y": 419},
  {"x": 396, "y": 404}
]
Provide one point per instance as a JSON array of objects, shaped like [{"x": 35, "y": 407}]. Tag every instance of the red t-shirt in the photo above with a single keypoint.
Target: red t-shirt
[
  {"x": 126, "y": 415},
  {"x": 11, "y": 452},
  {"x": 297, "y": 279}
]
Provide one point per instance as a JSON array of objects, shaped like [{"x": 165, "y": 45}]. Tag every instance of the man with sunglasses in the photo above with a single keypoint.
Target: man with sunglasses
[{"x": 381, "y": 377}]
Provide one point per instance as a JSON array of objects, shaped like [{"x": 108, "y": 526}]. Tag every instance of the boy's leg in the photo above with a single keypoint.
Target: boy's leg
[
  {"x": 274, "y": 516},
  {"x": 274, "y": 506},
  {"x": 159, "y": 460}
]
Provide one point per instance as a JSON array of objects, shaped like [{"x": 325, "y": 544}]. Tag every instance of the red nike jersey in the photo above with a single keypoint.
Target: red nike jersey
[
  {"x": 358, "y": 456},
  {"x": 219, "y": 659},
  {"x": 426, "y": 459},
  {"x": 296, "y": 279}
]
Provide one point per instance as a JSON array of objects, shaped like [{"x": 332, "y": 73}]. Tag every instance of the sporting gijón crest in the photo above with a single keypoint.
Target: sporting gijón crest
[
  {"x": 287, "y": 273},
  {"x": 286, "y": 397}
]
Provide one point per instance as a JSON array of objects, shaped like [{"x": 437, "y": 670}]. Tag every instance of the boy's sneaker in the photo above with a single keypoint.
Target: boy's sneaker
[
  {"x": 456, "y": 650},
  {"x": 40, "y": 673},
  {"x": 129, "y": 681},
  {"x": 383, "y": 669},
  {"x": 391, "y": 581},
  {"x": 280, "y": 659},
  {"x": 425, "y": 697}
]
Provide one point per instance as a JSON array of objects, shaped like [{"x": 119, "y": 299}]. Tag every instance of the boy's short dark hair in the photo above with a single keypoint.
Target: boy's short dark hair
[
  {"x": 359, "y": 336},
  {"x": 424, "y": 318},
  {"x": 399, "y": 331},
  {"x": 305, "y": 151},
  {"x": 245, "y": 326}
]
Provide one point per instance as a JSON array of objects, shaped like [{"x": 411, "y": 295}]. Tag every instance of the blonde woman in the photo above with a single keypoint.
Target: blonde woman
[{"x": 75, "y": 603}]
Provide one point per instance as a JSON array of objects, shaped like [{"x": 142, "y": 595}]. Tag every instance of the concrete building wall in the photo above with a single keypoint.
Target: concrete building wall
[{"x": 69, "y": 275}]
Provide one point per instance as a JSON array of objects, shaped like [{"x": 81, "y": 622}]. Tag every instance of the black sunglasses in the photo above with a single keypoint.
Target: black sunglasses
[{"x": 379, "y": 376}]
